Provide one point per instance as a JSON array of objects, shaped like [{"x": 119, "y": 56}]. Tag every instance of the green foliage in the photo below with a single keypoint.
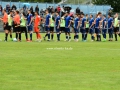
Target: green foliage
[{"x": 114, "y": 3}]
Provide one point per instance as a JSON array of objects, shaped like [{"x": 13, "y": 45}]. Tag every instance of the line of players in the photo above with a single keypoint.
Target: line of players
[
  {"x": 101, "y": 24},
  {"x": 79, "y": 22},
  {"x": 21, "y": 23}
]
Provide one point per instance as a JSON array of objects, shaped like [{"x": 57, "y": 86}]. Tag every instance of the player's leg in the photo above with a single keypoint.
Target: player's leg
[
  {"x": 19, "y": 31},
  {"x": 69, "y": 34},
  {"x": 6, "y": 31},
  {"x": 52, "y": 32},
  {"x": 30, "y": 28},
  {"x": 116, "y": 32},
  {"x": 46, "y": 29},
  {"x": 66, "y": 34},
  {"x": 87, "y": 29}
]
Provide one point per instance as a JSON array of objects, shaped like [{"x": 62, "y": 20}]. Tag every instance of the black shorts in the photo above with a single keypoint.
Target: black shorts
[
  {"x": 116, "y": 29},
  {"x": 23, "y": 29},
  {"x": 17, "y": 29},
  {"x": 87, "y": 30},
  {"x": 9, "y": 28},
  {"x": 62, "y": 29},
  {"x": 6, "y": 26},
  {"x": 52, "y": 29}
]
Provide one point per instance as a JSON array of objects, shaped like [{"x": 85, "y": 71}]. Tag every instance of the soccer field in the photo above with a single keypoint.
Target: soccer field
[{"x": 59, "y": 65}]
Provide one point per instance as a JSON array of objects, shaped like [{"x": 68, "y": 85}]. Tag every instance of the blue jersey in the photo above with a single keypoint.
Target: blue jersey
[
  {"x": 91, "y": 22},
  {"x": 57, "y": 20},
  {"x": 29, "y": 17},
  {"x": 67, "y": 21},
  {"x": 110, "y": 21},
  {"x": 47, "y": 20},
  {"x": 98, "y": 19},
  {"x": 83, "y": 22},
  {"x": 76, "y": 22},
  {"x": 105, "y": 20}
]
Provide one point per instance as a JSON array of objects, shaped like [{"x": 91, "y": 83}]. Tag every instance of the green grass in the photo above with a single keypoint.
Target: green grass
[{"x": 33, "y": 66}]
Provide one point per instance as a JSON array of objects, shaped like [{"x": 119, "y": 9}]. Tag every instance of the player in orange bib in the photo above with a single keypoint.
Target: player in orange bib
[
  {"x": 5, "y": 22},
  {"x": 17, "y": 25},
  {"x": 37, "y": 21}
]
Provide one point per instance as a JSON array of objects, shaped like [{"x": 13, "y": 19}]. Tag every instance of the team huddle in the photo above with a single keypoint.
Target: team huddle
[{"x": 80, "y": 23}]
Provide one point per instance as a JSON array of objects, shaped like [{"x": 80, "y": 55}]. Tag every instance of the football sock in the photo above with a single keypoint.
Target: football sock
[
  {"x": 16, "y": 35},
  {"x": 20, "y": 36},
  {"x": 31, "y": 36},
  {"x": 6, "y": 36}
]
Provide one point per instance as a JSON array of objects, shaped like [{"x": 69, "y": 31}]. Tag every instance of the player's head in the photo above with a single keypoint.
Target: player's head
[
  {"x": 16, "y": 12},
  {"x": 116, "y": 15},
  {"x": 29, "y": 11},
  {"x": 104, "y": 16},
  {"x": 57, "y": 13},
  {"x": 91, "y": 16},
  {"x": 99, "y": 13},
  {"x": 46, "y": 11},
  {"x": 52, "y": 13},
  {"x": 76, "y": 15},
  {"x": 82, "y": 15},
  {"x": 10, "y": 12},
  {"x": 79, "y": 15},
  {"x": 67, "y": 13},
  {"x": 36, "y": 13},
  {"x": 87, "y": 15},
  {"x": 109, "y": 15},
  {"x": 4, "y": 10}
]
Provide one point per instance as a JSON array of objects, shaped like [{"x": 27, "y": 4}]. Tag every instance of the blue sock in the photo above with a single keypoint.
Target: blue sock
[
  {"x": 48, "y": 36},
  {"x": 105, "y": 36},
  {"x": 30, "y": 36}
]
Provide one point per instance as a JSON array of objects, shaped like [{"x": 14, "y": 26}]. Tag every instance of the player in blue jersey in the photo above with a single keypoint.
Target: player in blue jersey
[
  {"x": 91, "y": 27},
  {"x": 110, "y": 27},
  {"x": 57, "y": 25},
  {"x": 30, "y": 24},
  {"x": 83, "y": 30},
  {"x": 76, "y": 27},
  {"x": 67, "y": 27},
  {"x": 104, "y": 27},
  {"x": 47, "y": 25},
  {"x": 98, "y": 23}
]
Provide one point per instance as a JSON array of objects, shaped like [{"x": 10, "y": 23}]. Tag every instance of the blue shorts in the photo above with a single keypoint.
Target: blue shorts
[
  {"x": 104, "y": 31},
  {"x": 47, "y": 28},
  {"x": 91, "y": 31},
  {"x": 110, "y": 31},
  {"x": 97, "y": 31},
  {"x": 67, "y": 30},
  {"x": 76, "y": 30},
  {"x": 57, "y": 30},
  {"x": 83, "y": 31},
  {"x": 30, "y": 28}
]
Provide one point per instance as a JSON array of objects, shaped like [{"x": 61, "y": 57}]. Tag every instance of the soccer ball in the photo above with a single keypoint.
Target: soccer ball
[{"x": 14, "y": 40}]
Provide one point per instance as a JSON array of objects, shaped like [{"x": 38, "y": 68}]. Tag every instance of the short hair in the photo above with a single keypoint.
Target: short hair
[
  {"x": 17, "y": 11},
  {"x": 104, "y": 15},
  {"x": 4, "y": 9},
  {"x": 99, "y": 13},
  {"x": 109, "y": 14},
  {"x": 37, "y": 13},
  {"x": 91, "y": 15}
]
